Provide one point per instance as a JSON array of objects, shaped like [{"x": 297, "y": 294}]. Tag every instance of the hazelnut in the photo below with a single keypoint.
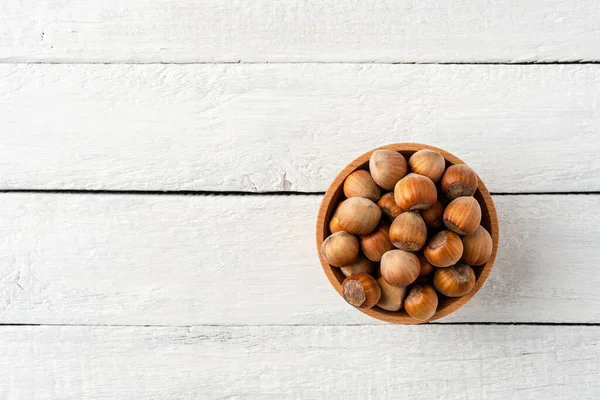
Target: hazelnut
[
  {"x": 362, "y": 265},
  {"x": 415, "y": 192},
  {"x": 433, "y": 215},
  {"x": 454, "y": 281},
  {"x": 426, "y": 267},
  {"x": 392, "y": 297},
  {"x": 444, "y": 249},
  {"x": 360, "y": 184},
  {"x": 459, "y": 180},
  {"x": 408, "y": 231},
  {"x": 334, "y": 224},
  {"x": 387, "y": 167},
  {"x": 421, "y": 302},
  {"x": 463, "y": 215},
  {"x": 339, "y": 249},
  {"x": 428, "y": 163},
  {"x": 400, "y": 268},
  {"x": 477, "y": 247},
  {"x": 376, "y": 243},
  {"x": 388, "y": 206},
  {"x": 358, "y": 215},
  {"x": 361, "y": 290}
]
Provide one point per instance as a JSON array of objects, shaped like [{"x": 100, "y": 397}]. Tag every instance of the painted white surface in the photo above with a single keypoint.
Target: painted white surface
[
  {"x": 249, "y": 262},
  {"x": 275, "y": 362},
  {"x": 192, "y": 260},
  {"x": 299, "y": 30},
  {"x": 279, "y": 127}
]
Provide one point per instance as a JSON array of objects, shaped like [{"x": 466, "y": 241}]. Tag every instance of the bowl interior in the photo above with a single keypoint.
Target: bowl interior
[{"x": 335, "y": 195}]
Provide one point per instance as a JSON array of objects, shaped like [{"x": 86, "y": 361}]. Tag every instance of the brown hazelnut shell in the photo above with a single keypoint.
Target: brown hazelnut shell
[
  {"x": 443, "y": 249},
  {"x": 361, "y": 184},
  {"x": 362, "y": 265},
  {"x": 408, "y": 231},
  {"x": 454, "y": 281},
  {"x": 340, "y": 248},
  {"x": 400, "y": 268},
  {"x": 426, "y": 267},
  {"x": 334, "y": 224},
  {"x": 477, "y": 246},
  {"x": 462, "y": 215},
  {"x": 392, "y": 297},
  {"x": 358, "y": 215},
  {"x": 415, "y": 192},
  {"x": 421, "y": 302},
  {"x": 387, "y": 168},
  {"x": 428, "y": 163},
  {"x": 388, "y": 206},
  {"x": 377, "y": 243},
  {"x": 433, "y": 215},
  {"x": 459, "y": 180},
  {"x": 361, "y": 290}
]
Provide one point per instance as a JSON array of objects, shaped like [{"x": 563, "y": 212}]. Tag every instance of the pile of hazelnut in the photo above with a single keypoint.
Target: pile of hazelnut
[{"x": 426, "y": 243}]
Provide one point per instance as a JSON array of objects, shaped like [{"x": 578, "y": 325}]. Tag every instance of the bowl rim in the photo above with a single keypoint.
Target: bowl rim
[{"x": 327, "y": 208}]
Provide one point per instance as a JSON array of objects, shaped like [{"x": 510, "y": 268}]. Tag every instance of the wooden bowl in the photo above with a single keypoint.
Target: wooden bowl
[{"x": 335, "y": 194}]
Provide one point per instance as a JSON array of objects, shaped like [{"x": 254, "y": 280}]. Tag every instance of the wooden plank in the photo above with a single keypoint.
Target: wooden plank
[
  {"x": 449, "y": 362},
  {"x": 291, "y": 127},
  {"x": 299, "y": 30},
  {"x": 192, "y": 260}
]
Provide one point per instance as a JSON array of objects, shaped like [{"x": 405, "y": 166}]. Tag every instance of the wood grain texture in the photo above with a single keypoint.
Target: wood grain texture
[
  {"x": 291, "y": 127},
  {"x": 191, "y": 260},
  {"x": 299, "y": 30},
  {"x": 449, "y": 362},
  {"x": 335, "y": 194}
]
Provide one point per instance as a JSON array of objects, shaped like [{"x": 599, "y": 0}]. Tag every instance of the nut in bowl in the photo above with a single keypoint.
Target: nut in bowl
[{"x": 429, "y": 250}]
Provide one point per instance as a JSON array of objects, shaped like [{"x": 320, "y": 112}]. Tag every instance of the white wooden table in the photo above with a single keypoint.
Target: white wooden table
[{"x": 162, "y": 162}]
